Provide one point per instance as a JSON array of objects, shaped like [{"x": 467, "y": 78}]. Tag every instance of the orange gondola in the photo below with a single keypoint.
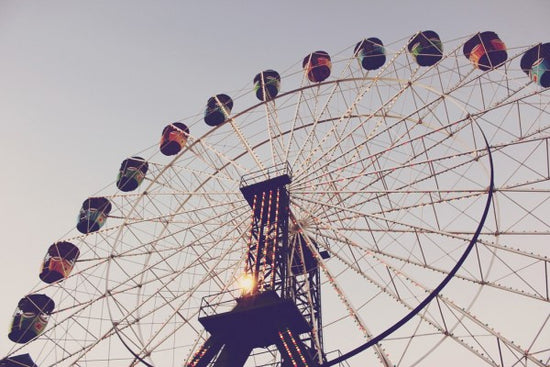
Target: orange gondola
[
  {"x": 485, "y": 50},
  {"x": 173, "y": 139},
  {"x": 59, "y": 262},
  {"x": 317, "y": 66}
]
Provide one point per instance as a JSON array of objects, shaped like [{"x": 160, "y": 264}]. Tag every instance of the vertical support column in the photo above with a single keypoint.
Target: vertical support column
[
  {"x": 207, "y": 351},
  {"x": 293, "y": 350},
  {"x": 267, "y": 253},
  {"x": 307, "y": 287}
]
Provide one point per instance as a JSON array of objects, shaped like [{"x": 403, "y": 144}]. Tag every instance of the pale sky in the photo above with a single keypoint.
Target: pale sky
[{"x": 84, "y": 84}]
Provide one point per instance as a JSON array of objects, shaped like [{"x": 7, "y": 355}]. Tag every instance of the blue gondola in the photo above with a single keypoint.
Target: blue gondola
[
  {"x": 59, "y": 262},
  {"x": 21, "y": 360},
  {"x": 267, "y": 85},
  {"x": 426, "y": 48},
  {"x": 371, "y": 53},
  {"x": 485, "y": 50},
  {"x": 536, "y": 63},
  {"x": 131, "y": 173},
  {"x": 218, "y": 109},
  {"x": 173, "y": 139},
  {"x": 317, "y": 66},
  {"x": 93, "y": 214},
  {"x": 30, "y": 317}
]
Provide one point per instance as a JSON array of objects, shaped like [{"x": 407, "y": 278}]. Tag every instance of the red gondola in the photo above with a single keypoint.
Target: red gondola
[
  {"x": 317, "y": 66},
  {"x": 485, "y": 50},
  {"x": 173, "y": 139},
  {"x": 59, "y": 262}
]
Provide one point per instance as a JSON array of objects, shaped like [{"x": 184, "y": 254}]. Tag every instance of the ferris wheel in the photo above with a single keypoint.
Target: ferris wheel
[{"x": 385, "y": 205}]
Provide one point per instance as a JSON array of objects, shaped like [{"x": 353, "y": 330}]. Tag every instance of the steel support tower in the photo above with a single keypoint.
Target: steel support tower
[{"x": 281, "y": 307}]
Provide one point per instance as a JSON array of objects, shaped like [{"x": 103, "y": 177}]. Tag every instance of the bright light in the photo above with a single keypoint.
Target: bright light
[{"x": 246, "y": 283}]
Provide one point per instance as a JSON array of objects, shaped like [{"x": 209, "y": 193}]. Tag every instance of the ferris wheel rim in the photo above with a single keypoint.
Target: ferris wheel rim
[
  {"x": 266, "y": 141},
  {"x": 440, "y": 287}
]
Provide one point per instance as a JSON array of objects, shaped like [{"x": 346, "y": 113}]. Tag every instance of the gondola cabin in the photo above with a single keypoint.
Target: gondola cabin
[
  {"x": 21, "y": 360},
  {"x": 267, "y": 85},
  {"x": 173, "y": 139},
  {"x": 93, "y": 214},
  {"x": 30, "y": 317},
  {"x": 59, "y": 262},
  {"x": 536, "y": 63},
  {"x": 218, "y": 109},
  {"x": 485, "y": 51},
  {"x": 317, "y": 66},
  {"x": 371, "y": 53},
  {"x": 131, "y": 173},
  {"x": 426, "y": 48}
]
